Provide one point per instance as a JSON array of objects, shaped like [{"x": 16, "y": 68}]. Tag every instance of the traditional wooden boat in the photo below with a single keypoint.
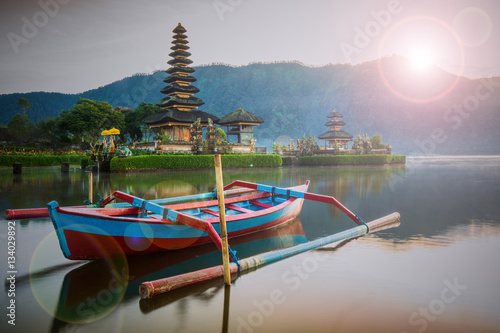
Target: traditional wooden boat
[{"x": 138, "y": 226}]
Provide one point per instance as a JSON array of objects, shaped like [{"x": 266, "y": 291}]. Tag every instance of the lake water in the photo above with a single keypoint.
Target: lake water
[{"x": 437, "y": 272}]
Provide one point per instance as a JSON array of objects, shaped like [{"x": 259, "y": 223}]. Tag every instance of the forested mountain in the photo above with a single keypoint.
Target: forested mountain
[{"x": 416, "y": 112}]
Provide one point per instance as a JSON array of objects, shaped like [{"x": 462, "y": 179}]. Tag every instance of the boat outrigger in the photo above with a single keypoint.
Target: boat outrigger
[{"x": 138, "y": 227}]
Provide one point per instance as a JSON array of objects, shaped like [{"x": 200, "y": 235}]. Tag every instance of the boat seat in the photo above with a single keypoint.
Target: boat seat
[
  {"x": 260, "y": 204},
  {"x": 239, "y": 209},
  {"x": 209, "y": 211}
]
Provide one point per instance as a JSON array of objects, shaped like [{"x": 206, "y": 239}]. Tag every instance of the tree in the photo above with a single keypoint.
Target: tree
[
  {"x": 88, "y": 119},
  {"x": 376, "y": 141},
  {"x": 134, "y": 125},
  {"x": 220, "y": 134},
  {"x": 20, "y": 126},
  {"x": 358, "y": 144},
  {"x": 312, "y": 143},
  {"x": 308, "y": 146},
  {"x": 48, "y": 126},
  {"x": 367, "y": 144},
  {"x": 23, "y": 103}
]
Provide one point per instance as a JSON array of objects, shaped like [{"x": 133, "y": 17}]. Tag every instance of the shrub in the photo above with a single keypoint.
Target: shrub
[
  {"x": 288, "y": 160},
  {"x": 352, "y": 159},
  {"x": 85, "y": 162},
  {"x": 41, "y": 160},
  {"x": 146, "y": 162}
]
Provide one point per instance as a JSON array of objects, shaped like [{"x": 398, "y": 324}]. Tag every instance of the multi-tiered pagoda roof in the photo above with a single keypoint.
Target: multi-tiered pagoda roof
[
  {"x": 335, "y": 135},
  {"x": 179, "y": 93}
]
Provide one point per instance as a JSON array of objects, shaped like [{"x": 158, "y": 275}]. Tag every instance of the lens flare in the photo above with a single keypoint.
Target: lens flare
[
  {"x": 139, "y": 236},
  {"x": 473, "y": 26},
  {"x": 423, "y": 57},
  {"x": 87, "y": 293}
]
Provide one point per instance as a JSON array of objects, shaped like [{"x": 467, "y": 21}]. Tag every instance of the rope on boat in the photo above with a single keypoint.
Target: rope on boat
[
  {"x": 91, "y": 204},
  {"x": 361, "y": 222},
  {"x": 234, "y": 258},
  {"x": 144, "y": 212},
  {"x": 232, "y": 255}
]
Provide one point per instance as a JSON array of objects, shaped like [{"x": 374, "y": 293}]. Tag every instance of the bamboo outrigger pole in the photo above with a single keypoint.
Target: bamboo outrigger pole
[
  {"x": 161, "y": 286},
  {"x": 222, "y": 218}
]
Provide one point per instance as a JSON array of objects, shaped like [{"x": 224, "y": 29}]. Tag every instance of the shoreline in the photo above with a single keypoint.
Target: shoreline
[{"x": 411, "y": 157}]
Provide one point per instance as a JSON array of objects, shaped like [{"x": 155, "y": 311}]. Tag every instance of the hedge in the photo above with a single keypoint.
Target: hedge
[
  {"x": 42, "y": 160},
  {"x": 288, "y": 160},
  {"x": 148, "y": 162},
  {"x": 352, "y": 159}
]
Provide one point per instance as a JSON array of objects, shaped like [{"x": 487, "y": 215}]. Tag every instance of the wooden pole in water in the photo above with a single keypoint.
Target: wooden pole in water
[
  {"x": 222, "y": 218},
  {"x": 225, "y": 314},
  {"x": 17, "y": 168},
  {"x": 91, "y": 185},
  {"x": 65, "y": 167}
]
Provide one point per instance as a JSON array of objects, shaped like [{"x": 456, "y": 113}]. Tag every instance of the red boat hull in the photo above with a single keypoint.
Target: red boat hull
[{"x": 102, "y": 237}]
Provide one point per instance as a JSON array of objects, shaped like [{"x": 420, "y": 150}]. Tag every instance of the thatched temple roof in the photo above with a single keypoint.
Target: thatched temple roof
[{"x": 240, "y": 116}]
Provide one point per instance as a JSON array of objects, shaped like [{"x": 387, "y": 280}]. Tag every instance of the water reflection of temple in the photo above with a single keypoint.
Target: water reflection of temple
[
  {"x": 343, "y": 182},
  {"x": 73, "y": 188}
]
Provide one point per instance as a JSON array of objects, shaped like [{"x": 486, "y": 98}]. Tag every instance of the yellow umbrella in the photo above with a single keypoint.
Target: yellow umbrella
[
  {"x": 105, "y": 132},
  {"x": 114, "y": 131}
]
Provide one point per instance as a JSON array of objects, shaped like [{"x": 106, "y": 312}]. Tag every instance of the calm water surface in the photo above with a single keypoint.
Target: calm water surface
[{"x": 437, "y": 272}]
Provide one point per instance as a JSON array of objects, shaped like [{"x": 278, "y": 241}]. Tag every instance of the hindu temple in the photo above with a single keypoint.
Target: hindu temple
[
  {"x": 240, "y": 123},
  {"x": 180, "y": 105},
  {"x": 335, "y": 137}
]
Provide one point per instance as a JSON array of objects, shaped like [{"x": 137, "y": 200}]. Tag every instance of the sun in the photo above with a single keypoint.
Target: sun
[{"x": 421, "y": 57}]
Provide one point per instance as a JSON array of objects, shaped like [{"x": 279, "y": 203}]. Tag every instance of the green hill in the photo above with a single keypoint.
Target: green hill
[{"x": 294, "y": 99}]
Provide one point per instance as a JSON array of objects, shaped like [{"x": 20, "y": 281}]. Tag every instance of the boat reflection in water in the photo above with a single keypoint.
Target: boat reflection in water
[{"x": 92, "y": 291}]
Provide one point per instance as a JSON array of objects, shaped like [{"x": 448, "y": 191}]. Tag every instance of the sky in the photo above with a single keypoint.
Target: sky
[{"x": 71, "y": 46}]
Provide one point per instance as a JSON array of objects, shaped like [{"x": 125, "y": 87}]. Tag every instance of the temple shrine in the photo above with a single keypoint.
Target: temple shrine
[
  {"x": 335, "y": 136},
  {"x": 240, "y": 123},
  {"x": 180, "y": 106}
]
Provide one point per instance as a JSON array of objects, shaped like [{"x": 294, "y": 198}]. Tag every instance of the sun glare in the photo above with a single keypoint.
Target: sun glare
[{"x": 421, "y": 57}]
